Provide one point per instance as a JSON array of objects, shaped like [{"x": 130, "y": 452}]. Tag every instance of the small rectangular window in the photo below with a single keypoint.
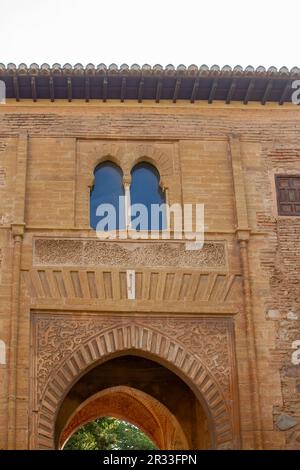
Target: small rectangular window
[{"x": 288, "y": 194}]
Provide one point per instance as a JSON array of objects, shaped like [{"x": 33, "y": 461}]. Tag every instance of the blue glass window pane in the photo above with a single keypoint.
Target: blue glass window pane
[
  {"x": 108, "y": 187},
  {"x": 145, "y": 190}
]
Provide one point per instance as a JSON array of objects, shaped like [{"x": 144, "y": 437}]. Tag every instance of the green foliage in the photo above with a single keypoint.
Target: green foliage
[{"x": 109, "y": 434}]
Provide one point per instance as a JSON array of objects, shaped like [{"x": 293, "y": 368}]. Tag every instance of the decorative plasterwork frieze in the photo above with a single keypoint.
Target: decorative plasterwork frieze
[{"x": 74, "y": 252}]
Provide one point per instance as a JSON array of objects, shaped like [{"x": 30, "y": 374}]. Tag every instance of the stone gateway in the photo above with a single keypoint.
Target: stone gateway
[{"x": 198, "y": 346}]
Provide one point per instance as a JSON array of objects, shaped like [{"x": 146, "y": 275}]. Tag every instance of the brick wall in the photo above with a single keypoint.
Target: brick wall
[{"x": 269, "y": 144}]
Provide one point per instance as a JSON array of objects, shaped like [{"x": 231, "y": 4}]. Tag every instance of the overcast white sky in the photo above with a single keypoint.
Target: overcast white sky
[{"x": 256, "y": 32}]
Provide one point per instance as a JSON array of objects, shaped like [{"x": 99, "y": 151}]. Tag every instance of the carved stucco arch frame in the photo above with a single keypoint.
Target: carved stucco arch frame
[
  {"x": 125, "y": 174},
  {"x": 166, "y": 433},
  {"x": 150, "y": 161},
  {"x": 126, "y": 160},
  {"x": 105, "y": 159},
  {"x": 139, "y": 340}
]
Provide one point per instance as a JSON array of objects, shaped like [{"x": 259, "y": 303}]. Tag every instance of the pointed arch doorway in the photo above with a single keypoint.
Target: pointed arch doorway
[
  {"x": 133, "y": 406},
  {"x": 186, "y": 377},
  {"x": 142, "y": 392}
]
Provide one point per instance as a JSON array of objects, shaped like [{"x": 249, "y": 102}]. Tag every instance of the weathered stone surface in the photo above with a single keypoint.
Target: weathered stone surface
[
  {"x": 285, "y": 422},
  {"x": 292, "y": 371},
  {"x": 292, "y": 316},
  {"x": 273, "y": 314}
]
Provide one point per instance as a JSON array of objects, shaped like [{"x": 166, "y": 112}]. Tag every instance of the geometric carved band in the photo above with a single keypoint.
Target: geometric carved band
[
  {"x": 89, "y": 284},
  {"x": 91, "y": 252}
]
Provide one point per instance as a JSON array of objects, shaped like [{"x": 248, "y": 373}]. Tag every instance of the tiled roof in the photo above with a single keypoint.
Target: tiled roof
[
  {"x": 140, "y": 83},
  {"x": 192, "y": 70}
]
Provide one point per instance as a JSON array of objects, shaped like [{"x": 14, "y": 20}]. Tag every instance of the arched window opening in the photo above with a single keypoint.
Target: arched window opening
[
  {"x": 107, "y": 208},
  {"x": 147, "y": 197},
  {"x": 109, "y": 434}
]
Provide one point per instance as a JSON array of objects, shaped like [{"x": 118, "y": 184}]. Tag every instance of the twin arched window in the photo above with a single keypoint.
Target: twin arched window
[
  {"x": 143, "y": 201},
  {"x": 108, "y": 189}
]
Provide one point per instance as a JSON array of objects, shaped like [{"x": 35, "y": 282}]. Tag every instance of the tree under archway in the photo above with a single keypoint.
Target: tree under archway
[{"x": 109, "y": 433}]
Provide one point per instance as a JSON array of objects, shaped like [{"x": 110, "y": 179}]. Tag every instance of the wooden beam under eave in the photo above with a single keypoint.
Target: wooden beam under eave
[
  {"x": 176, "y": 90},
  {"x": 105, "y": 88},
  {"x": 141, "y": 90},
  {"x": 284, "y": 93},
  {"x": 87, "y": 89},
  {"x": 158, "y": 90},
  {"x": 195, "y": 90},
  {"x": 69, "y": 88},
  {"x": 231, "y": 91},
  {"x": 267, "y": 93},
  {"x": 213, "y": 90},
  {"x": 249, "y": 91},
  {"x": 51, "y": 89},
  {"x": 33, "y": 89},
  {"x": 123, "y": 90},
  {"x": 16, "y": 88}
]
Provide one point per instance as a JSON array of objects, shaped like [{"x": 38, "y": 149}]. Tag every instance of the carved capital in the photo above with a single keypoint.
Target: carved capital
[
  {"x": 18, "y": 230},
  {"x": 127, "y": 179},
  {"x": 243, "y": 234}
]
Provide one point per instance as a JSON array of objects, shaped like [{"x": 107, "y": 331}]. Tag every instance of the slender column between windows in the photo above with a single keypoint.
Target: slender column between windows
[{"x": 127, "y": 207}]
